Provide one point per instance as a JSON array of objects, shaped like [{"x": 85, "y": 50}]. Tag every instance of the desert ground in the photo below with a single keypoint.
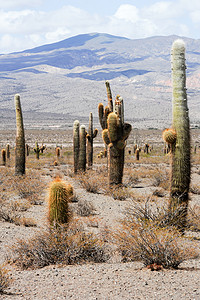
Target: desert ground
[{"x": 100, "y": 211}]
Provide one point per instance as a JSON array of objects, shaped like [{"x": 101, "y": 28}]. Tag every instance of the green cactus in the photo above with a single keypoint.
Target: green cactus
[
  {"x": 90, "y": 136},
  {"x": 8, "y": 151},
  {"x": 20, "y": 160},
  {"x": 76, "y": 144},
  {"x": 180, "y": 148},
  {"x": 82, "y": 149},
  {"x": 60, "y": 194},
  {"x": 169, "y": 136},
  {"x": 37, "y": 150},
  {"x": 115, "y": 137},
  {"x": 3, "y": 156}
]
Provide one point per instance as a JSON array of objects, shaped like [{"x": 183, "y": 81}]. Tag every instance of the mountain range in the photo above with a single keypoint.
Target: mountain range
[{"x": 63, "y": 81}]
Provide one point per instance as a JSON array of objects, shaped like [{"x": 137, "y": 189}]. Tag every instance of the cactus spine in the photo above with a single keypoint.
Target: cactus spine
[
  {"x": 59, "y": 196},
  {"x": 90, "y": 136},
  {"x": 76, "y": 143},
  {"x": 20, "y": 139},
  {"x": 115, "y": 137},
  {"x": 180, "y": 149}
]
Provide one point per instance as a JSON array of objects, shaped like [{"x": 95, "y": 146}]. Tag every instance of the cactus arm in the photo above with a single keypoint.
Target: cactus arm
[
  {"x": 20, "y": 139},
  {"x": 109, "y": 95},
  {"x": 95, "y": 133},
  {"x": 101, "y": 115},
  {"x": 105, "y": 136},
  {"x": 112, "y": 127}
]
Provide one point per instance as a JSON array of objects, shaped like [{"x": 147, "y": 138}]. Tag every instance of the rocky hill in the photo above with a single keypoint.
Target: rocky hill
[{"x": 63, "y": 81}]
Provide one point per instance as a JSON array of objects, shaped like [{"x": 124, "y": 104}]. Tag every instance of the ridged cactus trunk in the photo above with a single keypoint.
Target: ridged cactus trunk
[
  {"x": 60, "y": 195},
  {"x": 82, "y": 149},
  {"x": 115, "y": 137},
  {"x": 90, "y": 136},
  {"x": 76, "y": 143},
  {"x": 179, "y": 136},
  {"x": 20, "y": 139}
]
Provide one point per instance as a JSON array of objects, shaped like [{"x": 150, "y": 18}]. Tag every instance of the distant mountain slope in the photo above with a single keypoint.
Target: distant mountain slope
[{"x": 68, "y": 76}]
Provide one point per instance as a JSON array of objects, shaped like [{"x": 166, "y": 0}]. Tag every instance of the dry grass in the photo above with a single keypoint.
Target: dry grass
[
  {"x": 93, "y": 181},
  {"x": 59, "y": 246},
  {"x": 144, "y": 237},
  {"x": 4, "y": 279},
  {"x": 84, "y": 208}
]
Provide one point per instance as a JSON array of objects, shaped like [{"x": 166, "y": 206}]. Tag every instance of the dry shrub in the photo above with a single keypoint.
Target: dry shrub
[
  {"x": 131, "y": 178},
  {"x": 4, "y": 279},
  {"x": 119, "y": 193},
  {"x": 84, "y": 208},
  {"x": 29, "y": 186},
  {"x": 142, "y": 238},
  {"x": 59, "y": 246},
  {"x": 92, "y": 181},
  {"x": 193, "y": 218}
]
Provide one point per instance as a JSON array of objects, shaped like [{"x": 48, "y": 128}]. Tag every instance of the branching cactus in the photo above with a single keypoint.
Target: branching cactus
[
  {"x": 90, "y": 136},
  {"x": 60, "y": 195},
  {"x": 104, "y": 112},
  {"x": 20, "y": 139},
  {"x": 115, "y": 138},
  {"x": 76, "y": 143},
  {"x": 179, "y": 136},
  {"x": 37, "y": 150}
]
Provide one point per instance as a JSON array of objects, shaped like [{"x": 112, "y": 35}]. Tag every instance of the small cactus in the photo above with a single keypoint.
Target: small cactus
[
  {"x": 137, "y": 153},
  {"x": 37, "y": 150},
  {"x": 3, "y": 155},
  {"x": 58, "y": 152},
  {"x": 8, "y": 151},
  {"x": 60, "y": 195},
  {"x": 20, "y": 139},
  {"x": 169, "y": 136}
]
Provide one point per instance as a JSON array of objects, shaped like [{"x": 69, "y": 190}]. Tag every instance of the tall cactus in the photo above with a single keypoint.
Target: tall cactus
[
  {"x": 90, "y": 136},
  {"x": 179, "y": 136},
  {"x": 60, "y": 194},
  {"x": 20, "y": 139},
  {"x": 82, "y": 150},
  {"x": 37, "y": 150},
  {"x": 76, "y": 143},
  {"x": 115, "y": 137},
  {"x": 79, "y": 147}
]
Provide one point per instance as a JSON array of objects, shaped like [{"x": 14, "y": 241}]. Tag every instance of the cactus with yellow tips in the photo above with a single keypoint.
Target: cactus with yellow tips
[
  {"x": 60, "y": 195},
  {"x": 90, "y": 136},
  {"x": 20, "y": 139}
]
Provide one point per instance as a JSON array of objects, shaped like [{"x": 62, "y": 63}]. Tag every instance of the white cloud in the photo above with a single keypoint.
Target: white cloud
[
  {"x": 12, "y": 4},
  {"x": 128, "y": 13}
]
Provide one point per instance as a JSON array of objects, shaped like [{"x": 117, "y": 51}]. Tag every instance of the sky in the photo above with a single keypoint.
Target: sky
[{"x": 26, "y": 24}]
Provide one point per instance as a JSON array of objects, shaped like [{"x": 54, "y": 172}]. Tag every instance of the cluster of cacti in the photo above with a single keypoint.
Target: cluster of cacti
[
  {"x": 90, "y": 136},
  {"x": 38, "y": 149},
  {"x": 115, "y": 132},
  {"x": 60, "y": 195},
  {"x": 79, "y": 147},
  {"x": 20, "y": 139},
  {"x": 179, "y": 135}
]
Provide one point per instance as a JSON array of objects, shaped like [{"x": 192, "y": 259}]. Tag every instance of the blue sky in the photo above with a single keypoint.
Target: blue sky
[{"x": 29, "y": 23}]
